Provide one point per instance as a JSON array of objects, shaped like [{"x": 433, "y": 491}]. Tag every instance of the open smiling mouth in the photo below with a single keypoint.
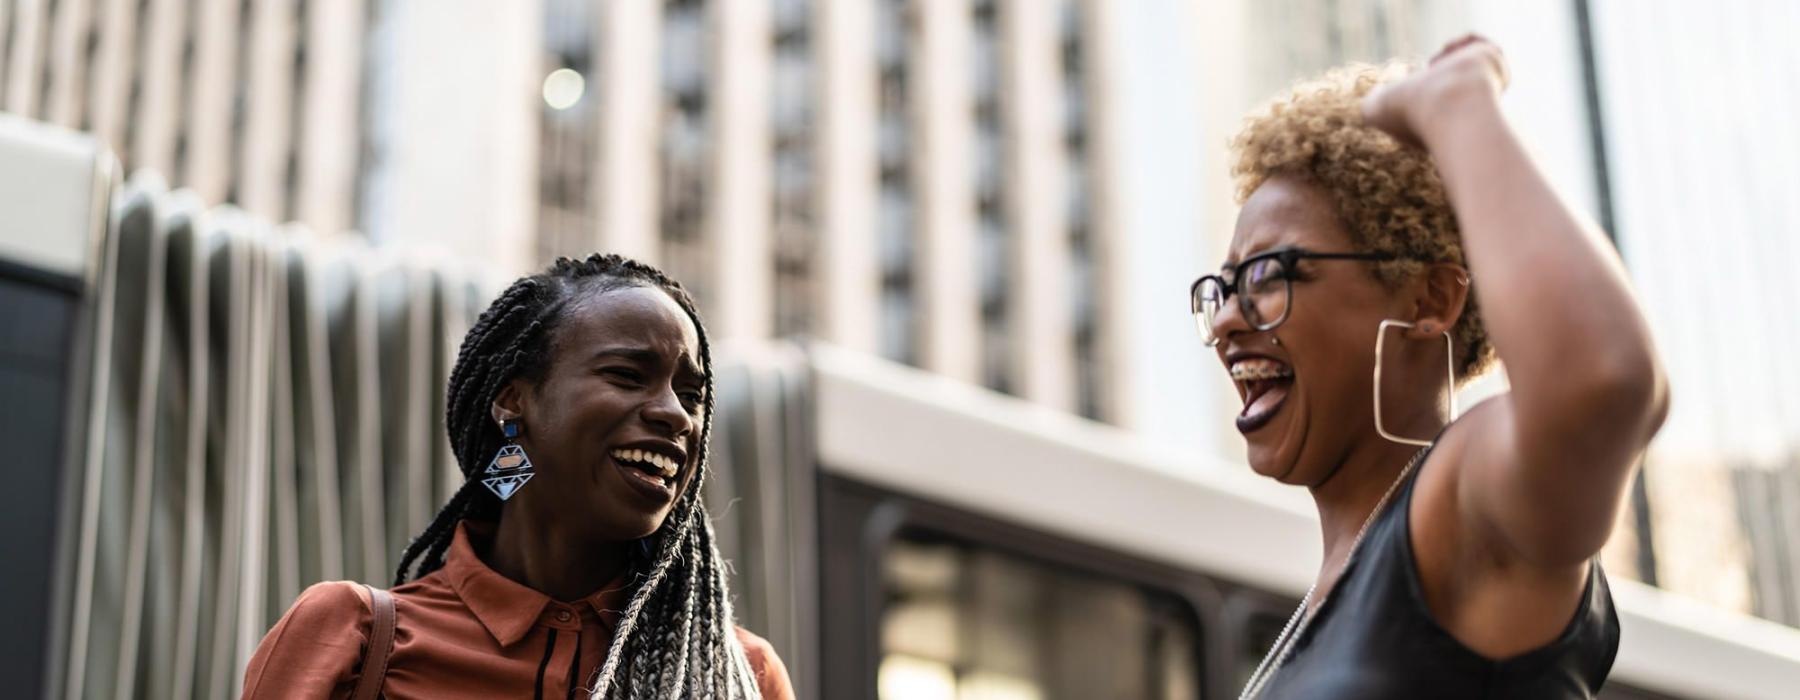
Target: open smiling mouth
[
  {"x": 651, "y": 472},
  {"x": 1264, "y": 383}
]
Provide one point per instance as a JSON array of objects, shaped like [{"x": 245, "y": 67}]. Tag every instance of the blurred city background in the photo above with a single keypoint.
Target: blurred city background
[{"x": 1006, "y": 194}]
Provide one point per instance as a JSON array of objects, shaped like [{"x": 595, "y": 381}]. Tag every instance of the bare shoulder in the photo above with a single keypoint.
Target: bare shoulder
[
  {"x": 1474, "y": 579},
  {"x": 771, "y": 674},
  {"x": 1468, "y": 445}
]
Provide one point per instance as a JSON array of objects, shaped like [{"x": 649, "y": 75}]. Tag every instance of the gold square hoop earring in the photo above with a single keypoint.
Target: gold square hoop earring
[{"x": 1449, "y": 368}]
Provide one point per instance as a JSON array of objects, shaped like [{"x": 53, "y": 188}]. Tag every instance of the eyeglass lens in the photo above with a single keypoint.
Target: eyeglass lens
[{"x": 1263, "y": 295}]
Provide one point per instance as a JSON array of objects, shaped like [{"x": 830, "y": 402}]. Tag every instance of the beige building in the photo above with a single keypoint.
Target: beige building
[
  {"x": 925, "y": 180},
  {"x": 255, "y": 103},
  {"x": 915, "y": 179}
]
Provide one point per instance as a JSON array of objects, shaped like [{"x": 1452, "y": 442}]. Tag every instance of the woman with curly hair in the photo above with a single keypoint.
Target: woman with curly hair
[
  {"x": 1458, "y": 550},
  {"x": 577, "y": 558}
]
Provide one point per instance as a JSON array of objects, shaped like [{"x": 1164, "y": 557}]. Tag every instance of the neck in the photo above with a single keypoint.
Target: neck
[
  {"x": 1347, "y": 499},
  {"x": 552, "y": 559}
]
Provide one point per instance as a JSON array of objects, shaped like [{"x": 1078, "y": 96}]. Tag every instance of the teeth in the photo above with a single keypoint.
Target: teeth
[
  {"x": 1254, "y": 370},
  {"x": 663, "y": 464}
]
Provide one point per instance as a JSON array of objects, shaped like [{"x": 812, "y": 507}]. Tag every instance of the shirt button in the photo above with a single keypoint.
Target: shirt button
[{"x": 563, "y": 616}]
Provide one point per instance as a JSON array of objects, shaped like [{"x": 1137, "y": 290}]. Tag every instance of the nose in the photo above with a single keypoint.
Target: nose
[
  {"x": 667, "y": 414},
  {"x": 1229, "y": 320}
]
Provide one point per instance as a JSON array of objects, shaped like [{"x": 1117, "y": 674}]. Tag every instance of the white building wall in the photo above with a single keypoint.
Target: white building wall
[
  {"x": 1042, "y": 344},
  {"x": 1166, "y": 379},
  {"x": 628, "y": 61},
  {"x": 944, "y": 253},
  {"x": 847, "y": 282},
  {"x": 458, "y": 130},
  {"x": 739, "y": 218},
  {"x": 1699, "y": 103}
]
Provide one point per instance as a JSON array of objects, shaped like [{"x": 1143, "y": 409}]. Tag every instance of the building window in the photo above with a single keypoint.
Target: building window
[
  {"x": 897, "y": 212},
  {"x": 962, "y": 620},
  {"x": 686, "y": 145},
  {"x": 791, "y": 106},
  {"x": 567, "y": 125},
  {"x": 240, "y": 110},
  {"x": 992, "y": 242},
  {"x": 1086, "y": 287},
  {"x": 297, "y": 126}
]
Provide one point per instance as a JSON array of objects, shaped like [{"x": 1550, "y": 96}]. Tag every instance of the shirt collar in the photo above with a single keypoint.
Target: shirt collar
[{"x": 509, "y": 609}]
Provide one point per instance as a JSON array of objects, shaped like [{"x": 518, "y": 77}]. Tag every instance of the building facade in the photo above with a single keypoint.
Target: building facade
[
  {"x": 913, "y": 178},
  {"x": 906, "y": 178},
  {"x": 256, "y": 103}
]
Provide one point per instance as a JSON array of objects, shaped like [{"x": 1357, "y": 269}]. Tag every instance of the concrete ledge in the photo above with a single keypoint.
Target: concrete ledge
[
  {"x": 963, "y": 446},
  {"x": 54, "y": 186}
]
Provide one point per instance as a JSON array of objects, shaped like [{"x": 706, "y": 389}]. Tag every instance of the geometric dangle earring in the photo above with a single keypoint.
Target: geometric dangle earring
[{"x": 511, "y": 468}]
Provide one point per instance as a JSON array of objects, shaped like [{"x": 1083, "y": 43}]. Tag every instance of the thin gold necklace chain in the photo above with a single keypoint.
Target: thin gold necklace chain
[{"x": 1298, "y": 622}]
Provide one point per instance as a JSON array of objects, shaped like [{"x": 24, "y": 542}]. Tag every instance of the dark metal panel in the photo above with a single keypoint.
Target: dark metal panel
[
  {"x": 859, "y": 523},
  {"x": 39, "y": 315}
]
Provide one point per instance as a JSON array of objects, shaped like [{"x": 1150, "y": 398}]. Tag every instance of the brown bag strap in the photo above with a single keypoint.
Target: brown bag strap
[{"x": 381, "y": 643}]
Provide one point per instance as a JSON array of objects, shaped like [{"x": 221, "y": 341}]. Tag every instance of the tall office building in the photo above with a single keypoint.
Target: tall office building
[
  {"x": 253, "y": 102},
  {"x": 907, "y": 177}
]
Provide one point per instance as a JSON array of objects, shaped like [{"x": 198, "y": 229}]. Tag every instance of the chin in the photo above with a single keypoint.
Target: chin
[
  {"x": 1274, "y": 450},
  {"x": 623, "y": 525},
  {"x": 639, "y": 529},
  {"x": 1266, "y": 463}
]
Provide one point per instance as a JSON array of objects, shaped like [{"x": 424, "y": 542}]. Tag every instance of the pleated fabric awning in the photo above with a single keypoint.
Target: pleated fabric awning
[{"x": 265, "y": 412}]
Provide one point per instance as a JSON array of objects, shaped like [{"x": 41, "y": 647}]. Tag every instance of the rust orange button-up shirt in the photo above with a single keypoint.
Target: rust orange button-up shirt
[{"x": 463, "y": 631}]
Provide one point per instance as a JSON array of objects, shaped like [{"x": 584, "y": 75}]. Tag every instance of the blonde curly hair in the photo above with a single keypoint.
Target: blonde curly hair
[{"x": 1388, "y": 196}]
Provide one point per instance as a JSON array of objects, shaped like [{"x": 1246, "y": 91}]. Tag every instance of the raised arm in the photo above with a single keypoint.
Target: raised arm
[{"x": 1544, "y": 468}]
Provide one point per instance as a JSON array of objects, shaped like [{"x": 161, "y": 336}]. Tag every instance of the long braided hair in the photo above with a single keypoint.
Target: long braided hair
[{"x": 676, "y": 638}]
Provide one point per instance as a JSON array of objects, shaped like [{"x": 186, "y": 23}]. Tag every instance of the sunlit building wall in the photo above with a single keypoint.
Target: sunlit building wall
[
  {"x": 936, "y": 181},
  {"x": 1698, "y": 103},
  {"x": 257, "y": 103},
  {"x": 909, "y": 177}
]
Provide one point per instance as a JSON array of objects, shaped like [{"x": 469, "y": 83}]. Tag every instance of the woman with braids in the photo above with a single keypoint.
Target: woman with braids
[
  {"x": 577, "y": 558},
  {"x": 1458, "y": 551}
]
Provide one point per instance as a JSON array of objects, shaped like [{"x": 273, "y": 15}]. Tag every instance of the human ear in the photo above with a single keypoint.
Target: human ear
[
  {"x": 1440, "y": 298},
  {"x": 509, "y": 404}
]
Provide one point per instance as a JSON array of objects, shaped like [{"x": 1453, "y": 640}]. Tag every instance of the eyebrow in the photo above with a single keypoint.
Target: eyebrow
[
  {"x": 647, "y": 357},
  {"x": 1227, "y": 265}
]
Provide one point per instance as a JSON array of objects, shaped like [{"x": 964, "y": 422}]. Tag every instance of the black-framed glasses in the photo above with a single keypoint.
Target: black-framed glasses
[{"x": 1263, "y": 284}]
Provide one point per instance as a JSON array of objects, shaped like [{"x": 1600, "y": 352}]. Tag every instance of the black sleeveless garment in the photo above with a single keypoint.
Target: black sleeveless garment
[{"x": 1375, "y": 638}]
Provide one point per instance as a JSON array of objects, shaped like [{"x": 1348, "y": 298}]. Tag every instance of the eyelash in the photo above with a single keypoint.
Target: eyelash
[
  {"x": 623, "y": 373},
  {"x": 694, "y": 398}
]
